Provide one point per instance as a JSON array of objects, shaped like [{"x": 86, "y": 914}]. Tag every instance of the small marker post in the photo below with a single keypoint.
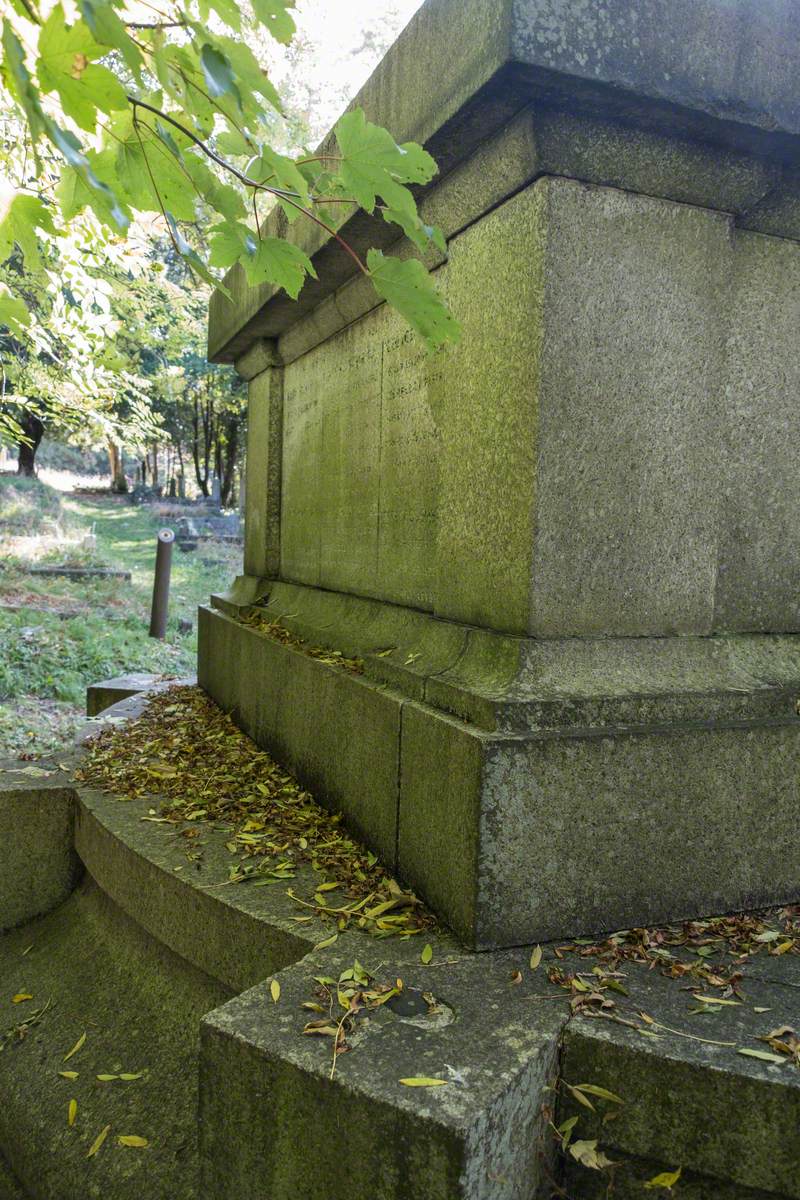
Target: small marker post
[{"x": 160, "y": 606}]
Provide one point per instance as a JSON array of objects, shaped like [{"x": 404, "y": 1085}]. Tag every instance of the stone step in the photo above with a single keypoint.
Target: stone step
[
  {"x": 139, "y": 1006},
  {"x": 691, "y": 1099},
  {"x": 170, "y": 971}
]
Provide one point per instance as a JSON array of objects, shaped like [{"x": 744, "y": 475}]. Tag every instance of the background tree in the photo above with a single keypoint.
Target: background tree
[{"x": 173, "y": 116}]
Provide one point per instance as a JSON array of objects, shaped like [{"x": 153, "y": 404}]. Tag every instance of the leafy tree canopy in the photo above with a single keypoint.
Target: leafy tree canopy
[{"x": 159, "y": 110}]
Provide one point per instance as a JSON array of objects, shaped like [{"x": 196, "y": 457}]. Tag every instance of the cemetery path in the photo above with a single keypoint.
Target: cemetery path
[{"x": 57, "y": 635}]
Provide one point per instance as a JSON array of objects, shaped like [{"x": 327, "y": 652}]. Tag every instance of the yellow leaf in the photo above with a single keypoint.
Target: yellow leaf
[
  {"x": 275, "y": 990},
  {"x": 327, "y": 942},
  {"x": 20, "y": 996},
  {"x": 588, "y": 1155},
  {"x": 427, "y": 954},
  {"x": 98, "y": 1141},
  {"x": 667, "y": 1179},
  {"x": 130, "y": 1139},
  {"x": 594, "y": 1089},
  {"x": 423, "y": 1081},
  {"x": 579, "y": 1096},
  {"x": 76, "y": 1047},
  {"x": 72, "y": 1112},
  {"x": 536, "y": 957},
  {"x": 68, "y": 1074},
  {"x": 106, "y": 1078}
]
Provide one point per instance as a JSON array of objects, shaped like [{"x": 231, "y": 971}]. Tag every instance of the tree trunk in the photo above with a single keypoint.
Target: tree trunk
[
  {"x": 33, "y": 428},
  {"x": 119, "y": 483},
  {"x": 228, "y": 462}
]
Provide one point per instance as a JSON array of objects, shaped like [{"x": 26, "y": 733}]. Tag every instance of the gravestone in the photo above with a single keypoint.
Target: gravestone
[{"x": 568, "y": 550}]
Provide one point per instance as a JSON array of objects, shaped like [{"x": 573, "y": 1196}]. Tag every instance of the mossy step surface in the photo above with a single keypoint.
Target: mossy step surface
[{"x": 140, "y": 1007}]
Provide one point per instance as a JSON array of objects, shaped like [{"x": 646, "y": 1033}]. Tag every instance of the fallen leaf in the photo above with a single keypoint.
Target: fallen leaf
[
  {"x": 130, "y": 1139},
  {"x": 20, "y": 996},
  {"x": 516, "y": 977},
  {"x": 72, "y": 1112},
  {"x": 106, "y": 1078},
  {"x": 275, "y": 990},
  {"x": 98, "y": 1141},
  {"x": 667, "y": 1179},
  {"x": 423, "y": 1081},
  {"x": 587, "y": 1154},
  {"x": 595, "y": 1090},
  {"x": 579, "y": 1096},
  {"x": 76, "y": 1047},
  {"x": 323, "y": 945},
  {"x": 68, "y": 1074},
  {"x": 764, "y": 1055},
  {"x": 536, "y": 957},
  {"x": 129, "y": 1075},
  {"x": 427, "y": 954}
]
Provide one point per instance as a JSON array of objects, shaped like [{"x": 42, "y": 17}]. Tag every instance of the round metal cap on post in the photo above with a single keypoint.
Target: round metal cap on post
[{"x": 158, "y": 612}]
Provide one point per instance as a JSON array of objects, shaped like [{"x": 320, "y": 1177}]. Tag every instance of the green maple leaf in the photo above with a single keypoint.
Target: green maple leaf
[
  {"x": 20, "y": 216},
  {"x": 274, "y": 15},
  {"x": 229, "y": 241},
  {"x": 374, "y": 165},
  {"x": 150, "y": 175},
  {"x": 278, "y": 262},
  {"x": 408, "y": 287},
  {"x": 414, "y": 228},
  {"x": 108, "y": 30},
  {"x": 65, "y": 66}
]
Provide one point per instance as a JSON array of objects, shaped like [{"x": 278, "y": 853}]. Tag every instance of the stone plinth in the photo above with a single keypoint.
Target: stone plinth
[{"x": 568, "y": 549}]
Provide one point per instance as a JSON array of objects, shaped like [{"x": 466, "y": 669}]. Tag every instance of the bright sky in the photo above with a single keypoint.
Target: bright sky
[{"x": 343, "y": 42}]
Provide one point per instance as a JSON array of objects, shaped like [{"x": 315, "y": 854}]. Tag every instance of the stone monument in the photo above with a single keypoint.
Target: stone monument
[{"x": 568, "y": 550}]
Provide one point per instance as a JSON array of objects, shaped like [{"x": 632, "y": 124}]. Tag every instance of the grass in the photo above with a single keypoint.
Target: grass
[{"x": 47, "y": 660}]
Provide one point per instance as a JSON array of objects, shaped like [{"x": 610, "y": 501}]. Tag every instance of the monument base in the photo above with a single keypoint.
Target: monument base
[
  {"x": 528, "y": 789},
  {"x": 170, "y": 975}
]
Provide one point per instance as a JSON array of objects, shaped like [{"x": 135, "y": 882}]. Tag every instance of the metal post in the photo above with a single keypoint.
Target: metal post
[{"x": 158, "y": 612}]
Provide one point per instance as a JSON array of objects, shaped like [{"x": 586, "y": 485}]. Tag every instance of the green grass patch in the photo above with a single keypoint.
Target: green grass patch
[
  {"x": 47, "y": 660},
  {"x": 28, "y": 506}
]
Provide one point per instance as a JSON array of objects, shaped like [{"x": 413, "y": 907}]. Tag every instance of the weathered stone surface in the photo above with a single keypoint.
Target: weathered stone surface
[
  {"x": 305, "y": 712},
  {"x": 10, "y": 1188},
  {"x": 262, "y": 538},
  {"x": 521, "y": 838},
  {"x": 631, "y": 752},
  {"x": 140, "y": 1008},
  {"x": 121, "y": 965},
  {"x": 360, "y": 467},
  {"x": 758, "y": 509},
  {"x": 522, "y": 481},
  {"x": 233, "y": 935},
  {"x": 300, "y": 1136},
  {"x": 38, "y": 866},
  {"x": 100, "y": 696},
  {"x": 719, "y": 74},
  {"x": 724, "y": 1117}
]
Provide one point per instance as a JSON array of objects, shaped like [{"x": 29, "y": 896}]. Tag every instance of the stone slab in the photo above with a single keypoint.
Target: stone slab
[
  {"x": 235, "y": 936},
  {"x": 559, "y": 834},
  {"x": 100, "y": 696},
  {"x": 300, "y": 1136},
  {"x": 725, "y": 1118},
  {"x": 521, "y": 481},
  {"x": 707, "y": 70},
  {"x": 38, "y": 866},
  {"x": 140, "y": 1009},
  {"x": 262, "y": 530},
  {"x": 305, "y": 712}
]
